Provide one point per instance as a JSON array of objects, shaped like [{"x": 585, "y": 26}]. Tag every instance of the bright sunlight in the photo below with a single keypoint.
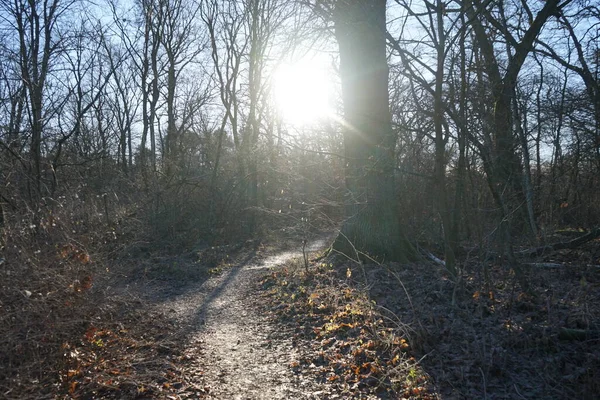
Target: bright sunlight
[{"x": 303, "y": 92}]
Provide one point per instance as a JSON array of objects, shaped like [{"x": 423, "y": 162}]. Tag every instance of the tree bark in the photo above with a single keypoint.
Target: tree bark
[{"x": 372, "y": 222}]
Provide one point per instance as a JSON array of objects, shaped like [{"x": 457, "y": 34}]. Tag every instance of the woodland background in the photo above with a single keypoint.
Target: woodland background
[{"x": 149, "y": 127}]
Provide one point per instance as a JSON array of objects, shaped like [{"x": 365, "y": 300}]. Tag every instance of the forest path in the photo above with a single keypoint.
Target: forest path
[{"x": 235, "y": 350}]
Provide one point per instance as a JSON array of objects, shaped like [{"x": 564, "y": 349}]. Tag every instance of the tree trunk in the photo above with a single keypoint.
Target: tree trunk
[
  {"x": 459, "y": 190},
  {"x": 439, "y": 178},
  {"x": 172, "y": 148},
  {"x": 520, "y": 127},
  {"x": 372, "y": 225}
]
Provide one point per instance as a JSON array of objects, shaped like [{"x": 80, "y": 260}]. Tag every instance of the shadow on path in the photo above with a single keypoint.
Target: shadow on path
[{"x": 232, "y": 342}]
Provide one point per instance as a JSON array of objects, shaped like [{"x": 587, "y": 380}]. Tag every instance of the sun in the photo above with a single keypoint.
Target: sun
[{"x": 302, "y": 92}]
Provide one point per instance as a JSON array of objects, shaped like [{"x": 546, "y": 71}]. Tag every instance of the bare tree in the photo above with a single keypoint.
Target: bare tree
[
  {"x": 181, "y": 42},
  {"x": 242, "y": 38},
  {"x": 36, "y": 24}
]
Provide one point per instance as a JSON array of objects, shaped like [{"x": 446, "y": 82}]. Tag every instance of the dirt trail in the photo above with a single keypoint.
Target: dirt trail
[{"x": 234, "y": 348}]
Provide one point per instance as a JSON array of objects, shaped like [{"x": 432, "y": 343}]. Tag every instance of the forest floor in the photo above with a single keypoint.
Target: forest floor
[
  {"x": 253, "y": 323},
  {"x": 196, "y": 332},
  {"x": 236, "y": 349}
]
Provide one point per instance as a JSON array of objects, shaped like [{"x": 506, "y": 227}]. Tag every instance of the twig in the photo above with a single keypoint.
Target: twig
[
  {"x": 484, "y": 384},
  {"x": 546, "y": 265},
  {"x": 519, "y": 393}
]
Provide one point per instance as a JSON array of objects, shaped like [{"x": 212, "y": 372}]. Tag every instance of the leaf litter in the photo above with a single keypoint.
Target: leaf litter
[
  {"x": 170, "y": 339},
  {"x": 338, "y": 331}
]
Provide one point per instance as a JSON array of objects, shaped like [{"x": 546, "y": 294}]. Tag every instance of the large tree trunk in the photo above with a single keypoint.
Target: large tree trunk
[{"x": 372, "y": 226}]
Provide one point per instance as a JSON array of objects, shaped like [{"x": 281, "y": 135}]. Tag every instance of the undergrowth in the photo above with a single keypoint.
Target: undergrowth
[
  {"x": 61, "y": 264},
  {"x": 51, "y": 259}
]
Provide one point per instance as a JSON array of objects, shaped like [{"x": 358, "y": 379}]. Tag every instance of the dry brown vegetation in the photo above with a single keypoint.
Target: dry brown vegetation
[
  {"x": 141, "y": 151},
  {"x": 76, "y": 310},
  {"x": 66, "y": 309},
  {"x": 52, "y": 258},
  {"x": 343, "y": 338},
  {"x": 408, "y": 331}
]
